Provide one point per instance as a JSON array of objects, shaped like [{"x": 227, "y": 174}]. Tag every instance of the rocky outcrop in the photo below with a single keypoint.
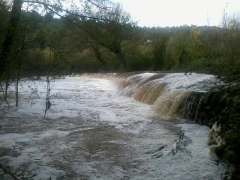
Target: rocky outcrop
[
  {"x": 204, "y": 107},
  {"x": 220, "y": 110}
]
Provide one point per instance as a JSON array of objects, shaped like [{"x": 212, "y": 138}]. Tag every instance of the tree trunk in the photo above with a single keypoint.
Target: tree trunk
[
  {"x": 98, "y": 55},
  {"x": 11, "y": 32}
]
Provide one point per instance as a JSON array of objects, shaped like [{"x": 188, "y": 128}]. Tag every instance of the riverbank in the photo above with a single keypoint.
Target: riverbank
[{"x": 221, "y": 111}]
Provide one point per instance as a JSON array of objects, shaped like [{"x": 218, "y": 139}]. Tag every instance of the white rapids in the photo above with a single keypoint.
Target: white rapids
[{"x": 92, "y": 132}]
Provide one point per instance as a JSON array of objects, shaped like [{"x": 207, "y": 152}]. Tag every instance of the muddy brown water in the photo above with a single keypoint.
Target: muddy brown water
[{"x": 91, "y": 132}]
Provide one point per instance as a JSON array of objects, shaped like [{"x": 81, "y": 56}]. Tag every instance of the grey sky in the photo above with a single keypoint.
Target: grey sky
[{"x": 179, "y": 12}]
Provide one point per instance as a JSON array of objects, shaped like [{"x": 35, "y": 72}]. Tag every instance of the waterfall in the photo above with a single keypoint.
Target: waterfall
[{"x": 171, "y": 95}]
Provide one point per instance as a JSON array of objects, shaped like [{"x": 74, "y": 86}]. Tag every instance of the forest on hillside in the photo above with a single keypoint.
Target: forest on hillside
[{"x": 103, "y": 38}]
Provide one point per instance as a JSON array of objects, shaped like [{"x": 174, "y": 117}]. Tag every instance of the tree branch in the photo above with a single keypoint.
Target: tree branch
[
  {"x": 46, "y": 5},
  {"x": 104, "y": 8}
]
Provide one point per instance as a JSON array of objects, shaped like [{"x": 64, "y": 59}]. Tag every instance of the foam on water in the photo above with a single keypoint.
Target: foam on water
[
  {"x": 194, "y": 81},
  {"x": 166, "y": 91},
  {"x": 92, "y": 132},
  {"x": 9, "y": 140}
]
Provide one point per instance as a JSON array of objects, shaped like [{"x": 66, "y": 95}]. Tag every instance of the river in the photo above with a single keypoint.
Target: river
[{"x": 94, "y": 130}]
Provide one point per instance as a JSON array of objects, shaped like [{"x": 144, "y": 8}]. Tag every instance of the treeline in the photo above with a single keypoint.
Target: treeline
[{"x": 50, "y": 44}]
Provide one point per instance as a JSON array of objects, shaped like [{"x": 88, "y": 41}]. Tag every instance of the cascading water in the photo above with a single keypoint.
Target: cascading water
[
  {"x": 93, "y": 131},
  {"x": 168, "y": 92}
]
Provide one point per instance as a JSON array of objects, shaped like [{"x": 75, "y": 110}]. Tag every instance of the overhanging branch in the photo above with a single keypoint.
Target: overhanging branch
[
  {"x": 104, "y": 8},
  {"x": 46, "y": 5}
]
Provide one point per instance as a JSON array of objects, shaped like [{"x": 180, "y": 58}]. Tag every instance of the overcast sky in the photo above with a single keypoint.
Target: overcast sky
[{"x": 178, "y": 12}]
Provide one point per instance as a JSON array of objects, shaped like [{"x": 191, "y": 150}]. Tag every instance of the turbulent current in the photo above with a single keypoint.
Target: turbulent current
[{"x": 123, "y": 127}]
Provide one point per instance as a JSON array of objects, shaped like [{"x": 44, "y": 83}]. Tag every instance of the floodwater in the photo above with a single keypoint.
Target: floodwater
[{"x": 93, "y": 132}]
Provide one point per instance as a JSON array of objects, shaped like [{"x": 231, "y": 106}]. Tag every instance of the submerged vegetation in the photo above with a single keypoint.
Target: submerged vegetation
[{"x": 43, "y": 39}]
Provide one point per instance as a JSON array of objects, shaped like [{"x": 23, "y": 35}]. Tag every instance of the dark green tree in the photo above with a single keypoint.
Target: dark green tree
[{"x": 158, "y": 39}]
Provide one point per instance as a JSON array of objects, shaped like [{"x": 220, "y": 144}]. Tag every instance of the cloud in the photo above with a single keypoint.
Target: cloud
[{"x": 175, "y": 12}]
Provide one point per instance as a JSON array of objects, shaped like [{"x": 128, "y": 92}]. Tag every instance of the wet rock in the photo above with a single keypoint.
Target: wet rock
[
  {"x": 206, "y": 98},
  {"x": 214, "y": 135},
  {"x": 212, "y": 152},
  {"x": 189, "y": 107},
  {"x": 211, "y": 142},
  {"x": 223, "y": 98},
  {"x": 216, "y": 143}
]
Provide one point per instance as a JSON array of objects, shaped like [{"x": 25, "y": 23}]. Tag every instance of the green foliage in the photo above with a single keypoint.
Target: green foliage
[
  {"x": 34, "y": 63},
  {"x": 158, "y": 41},
  {"x": 116, "y": 44},
  {"x": 113, "y": 39}
]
